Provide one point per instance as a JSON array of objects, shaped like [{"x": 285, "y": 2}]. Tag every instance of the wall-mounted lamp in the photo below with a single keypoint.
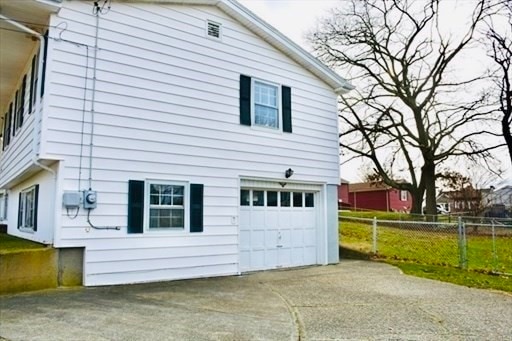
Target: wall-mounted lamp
[{"x": 288, "y": 173}]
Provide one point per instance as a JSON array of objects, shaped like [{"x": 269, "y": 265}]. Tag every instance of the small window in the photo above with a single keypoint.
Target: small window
[
  {"x": 258, "y": 198},
  {"x": 245, "y": 197},
  {"x": 27, "y": 210},
  {"x": 285, "y": 199},
  {"x": 403, "y": 195},
  {"x": 213, "y": 29},
  {"x": 266, "y": 109},
  {"x": 271, "y": 199},
  {"x": 297, "y": 199},
  {"x": 309, "y": 199},
  {"x": 166, "y": 206}
]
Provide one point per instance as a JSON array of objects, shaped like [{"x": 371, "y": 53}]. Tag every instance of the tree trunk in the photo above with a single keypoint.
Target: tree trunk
[
  {"x": 506, "y": 132},
  {"x": 417, "y": 201},
  {"x": 429, "y": 176}
]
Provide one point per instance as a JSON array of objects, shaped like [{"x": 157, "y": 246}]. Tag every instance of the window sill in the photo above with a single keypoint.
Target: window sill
[{"x": 26, "y": 230}]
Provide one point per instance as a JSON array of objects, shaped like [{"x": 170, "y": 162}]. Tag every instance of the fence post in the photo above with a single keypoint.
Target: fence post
[
  {"x": 494, "y": 251},
  {"x": 374, "y": 239},
  {"x": 462, "y": 244}
]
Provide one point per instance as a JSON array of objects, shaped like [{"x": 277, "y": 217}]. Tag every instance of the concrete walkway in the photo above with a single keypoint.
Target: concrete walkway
[{"x": 354, "y": 300}]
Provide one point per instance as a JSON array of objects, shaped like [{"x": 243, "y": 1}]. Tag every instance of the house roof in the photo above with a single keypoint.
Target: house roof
[
  {"x": 343, "y": 181},
  {"x": 367, "y": 187},
  {"x": 272, "y": 36}
]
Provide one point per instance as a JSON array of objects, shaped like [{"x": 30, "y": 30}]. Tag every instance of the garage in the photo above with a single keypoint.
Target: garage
[{"x": 278, "y": 227}]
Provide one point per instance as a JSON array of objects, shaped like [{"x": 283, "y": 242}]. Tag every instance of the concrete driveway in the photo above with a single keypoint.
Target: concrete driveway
[{"x": 354, "y": 300}]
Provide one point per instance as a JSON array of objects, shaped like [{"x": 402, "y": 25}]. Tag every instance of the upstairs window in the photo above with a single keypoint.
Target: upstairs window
[
  {"x": 265, "y": 104},
  {"x": 266, "y": 110}
]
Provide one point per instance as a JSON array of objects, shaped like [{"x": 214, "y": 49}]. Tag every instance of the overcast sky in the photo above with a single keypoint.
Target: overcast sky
[{"x": 295, "y": 18}]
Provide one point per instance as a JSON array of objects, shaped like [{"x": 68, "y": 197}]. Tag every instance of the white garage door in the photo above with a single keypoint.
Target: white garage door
[{"x": 278, "y": 228}]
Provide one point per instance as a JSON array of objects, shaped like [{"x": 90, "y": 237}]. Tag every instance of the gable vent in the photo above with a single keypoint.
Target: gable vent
[{"x": 213, "y": 29}]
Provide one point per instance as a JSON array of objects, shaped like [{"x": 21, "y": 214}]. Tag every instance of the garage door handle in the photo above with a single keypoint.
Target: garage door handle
[{"x": 279, "y": 245}]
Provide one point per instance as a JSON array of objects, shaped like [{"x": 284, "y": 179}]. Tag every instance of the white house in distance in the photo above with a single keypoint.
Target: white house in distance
[{"x": 166, "y": 139}]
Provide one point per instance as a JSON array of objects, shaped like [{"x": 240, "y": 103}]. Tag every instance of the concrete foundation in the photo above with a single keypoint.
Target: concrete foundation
[{"x": 38, "y": 269}]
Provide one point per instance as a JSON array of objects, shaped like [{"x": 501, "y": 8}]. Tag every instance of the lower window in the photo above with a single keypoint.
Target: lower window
[
  {"x": 27, "y": 211},
  {"x": 166, "y": 206}
]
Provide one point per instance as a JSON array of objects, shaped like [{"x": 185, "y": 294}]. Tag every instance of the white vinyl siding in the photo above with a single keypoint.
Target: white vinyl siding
[{"x": 167, "y": 107}]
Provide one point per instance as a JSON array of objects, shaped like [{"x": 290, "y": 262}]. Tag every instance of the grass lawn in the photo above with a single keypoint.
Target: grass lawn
[
  {"x": 12, "y": 244},
  {"x": 381, "y": 215},
  {"x": 433, "y": 254}
]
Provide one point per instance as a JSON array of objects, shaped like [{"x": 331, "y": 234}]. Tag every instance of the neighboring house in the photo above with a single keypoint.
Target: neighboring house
[
  {"x": 381, "y": 197},
  {"x": 343, "y": 196},
  {"x": 502, "y": 196},
  {"x": 166, "y": 139},
  {"x": 468, "y": 200}
]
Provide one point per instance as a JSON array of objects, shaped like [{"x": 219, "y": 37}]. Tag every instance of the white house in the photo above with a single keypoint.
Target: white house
[{"x": 167, "y": 139}]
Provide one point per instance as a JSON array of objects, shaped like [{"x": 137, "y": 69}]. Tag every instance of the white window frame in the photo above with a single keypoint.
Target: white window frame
[
  {"x": 403, "y": 195},
  {"x": 3, "y": 206},
  {"x": 22, "y": 207},
  {"x": 186, "y": 208},
  {"x": 279, "y": 128}
]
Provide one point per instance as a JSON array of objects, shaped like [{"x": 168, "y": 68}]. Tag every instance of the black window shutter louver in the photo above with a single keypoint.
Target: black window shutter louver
[
  {"x": 45, "y": 56},
  {"x": 16, "y": 106},
  {"x": 135, "y": 206},
  {"x": 4, "y": 132},
  {"x": 22, "y": 104},
  {"x": 32, "y": 90},
  {"x": 9, "y": 121},
  {"x": 245, "y": 100},
  {"x": 36, "y": 204},
  {"x": 19, "y": 211},
  {"x": 286, "y": 94},
  {"x": 196, "y": 207}
]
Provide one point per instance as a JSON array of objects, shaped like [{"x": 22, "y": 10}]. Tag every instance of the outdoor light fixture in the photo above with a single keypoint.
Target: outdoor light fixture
[{"x": 288, "y": 173}]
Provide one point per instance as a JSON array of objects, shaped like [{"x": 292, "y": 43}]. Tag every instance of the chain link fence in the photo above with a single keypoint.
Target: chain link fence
[{"x": 468, "y": 245}]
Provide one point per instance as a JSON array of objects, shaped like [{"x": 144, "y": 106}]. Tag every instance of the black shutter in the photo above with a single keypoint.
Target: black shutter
[
  {"x": 19, "y": 211},
  {"x": 286, "y": 94},
  {"x": 9, "y": 121},
  {"x": 245, "y": 100},
  {"x": 16, "y": 105},
  {"x": 32, "y": 90},
  {"x": 135, "y": 206},
  {"x": 45, "y": 56},
  {"x": 4, "y": 131},
  {"x": 22, "y": 104},
  {"x": 36, "y": 204},
  {"x": 196, "y": 207}
]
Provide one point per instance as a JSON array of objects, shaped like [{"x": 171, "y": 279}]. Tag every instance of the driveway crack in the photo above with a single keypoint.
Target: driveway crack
[{"x": 300, "y": 330}]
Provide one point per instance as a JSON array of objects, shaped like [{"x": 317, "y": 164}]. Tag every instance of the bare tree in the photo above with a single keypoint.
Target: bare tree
[
  {"x": 411, "y": 111},
  {"x": 501, "y": 52}
]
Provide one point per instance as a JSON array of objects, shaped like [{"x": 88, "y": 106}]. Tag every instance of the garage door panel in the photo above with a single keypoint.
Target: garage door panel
[
  {"x": 297, "y": 221},
  {"x": 297, "y": 238},
  {"x": 245, "y": 240},
  {"x": 258, "y": 259},
  {"x": 271, "y": 258},
  {"x": 298, "y": 256},
  {"x": 257, "y": 219},
  {"x": 245, "y": 219},
  {"x": 309, "y": 218},
  {"x": 309, "y": 255},
  {"x": 309, "y": 237},
  {"x": 258, "y": 239},
  {"x": 285, "y": 217},
  {"x": 285, "y": 257},
  {"x": 271, "y": 237}
]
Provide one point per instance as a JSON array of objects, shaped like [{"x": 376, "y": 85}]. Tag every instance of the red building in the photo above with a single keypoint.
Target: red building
[
  {"x": 343, "y": 196},
  {"x": 380, "y": 197}
]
